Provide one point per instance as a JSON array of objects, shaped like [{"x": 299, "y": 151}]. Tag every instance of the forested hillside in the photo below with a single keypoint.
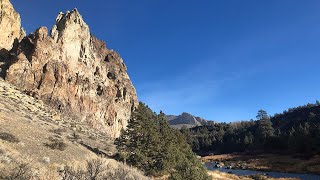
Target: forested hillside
[{"x": 296, "y": 130}]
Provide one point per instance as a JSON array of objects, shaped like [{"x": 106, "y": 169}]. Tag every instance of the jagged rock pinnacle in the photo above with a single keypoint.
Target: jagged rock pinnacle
[
  {"x": 75, "y": 73},
  {"x": 10, "y": 25}
]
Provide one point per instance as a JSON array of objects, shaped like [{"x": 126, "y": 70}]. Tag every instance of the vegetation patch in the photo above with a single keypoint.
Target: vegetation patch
[
  {"x": 9, "y": 137},
  {"x": 294, "y": 132},
  {"x": 16, "y": 170},
  {"x": 59, "y": 131},
  {"x": 56, "y": 143},
  {"x": 97, "y": 169},
  {"x": 93, "y": 169}
]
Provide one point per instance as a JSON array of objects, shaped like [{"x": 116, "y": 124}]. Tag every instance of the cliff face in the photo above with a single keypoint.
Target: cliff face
[
  {"x": 10, "y": 25},
  {"x": 74, "y": 72}
]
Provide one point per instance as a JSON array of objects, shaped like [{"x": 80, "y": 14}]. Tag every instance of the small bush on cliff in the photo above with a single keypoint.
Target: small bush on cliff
[{"x": 150, "y": 144}]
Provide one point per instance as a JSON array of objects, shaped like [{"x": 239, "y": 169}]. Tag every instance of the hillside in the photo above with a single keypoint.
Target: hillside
[
  {"x": 32, "y": 133},
  {"x": 294, "y": 117},
  {"x": 293, "y": 131}
]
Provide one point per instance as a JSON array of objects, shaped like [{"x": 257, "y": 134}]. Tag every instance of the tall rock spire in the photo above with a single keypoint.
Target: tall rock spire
[{"x": 10, "y": 25}]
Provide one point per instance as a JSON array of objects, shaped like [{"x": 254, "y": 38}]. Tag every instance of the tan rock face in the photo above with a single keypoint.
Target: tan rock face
[
  {"x": 10, "y": 25},
  {"x": 74, "y": 72}
]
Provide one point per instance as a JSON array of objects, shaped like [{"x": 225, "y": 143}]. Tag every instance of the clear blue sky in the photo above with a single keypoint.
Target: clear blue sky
[{"x": 219, "y": 59}]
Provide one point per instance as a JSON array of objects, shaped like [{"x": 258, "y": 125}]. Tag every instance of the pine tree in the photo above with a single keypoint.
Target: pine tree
[
  {"x": 136, "y": 143},
  {"x": 247, "y": 140},
  {"x": 150, "y": 144},
  {"x": 264, "y": 128},
  {"x": 262, "y": 115}
]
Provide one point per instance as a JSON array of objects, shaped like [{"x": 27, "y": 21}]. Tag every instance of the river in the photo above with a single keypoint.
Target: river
[{"x": 240, "y": 172}]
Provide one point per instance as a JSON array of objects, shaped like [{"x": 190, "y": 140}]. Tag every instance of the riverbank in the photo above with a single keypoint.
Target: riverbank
[
  {"x": 216, "y": 175},
  {"x": 268, "y": 162}
]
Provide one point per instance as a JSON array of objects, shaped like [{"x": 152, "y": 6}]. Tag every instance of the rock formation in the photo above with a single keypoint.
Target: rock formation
[
  {"x": 10, "y": 25},
  {"x": 74, "y": 72}
]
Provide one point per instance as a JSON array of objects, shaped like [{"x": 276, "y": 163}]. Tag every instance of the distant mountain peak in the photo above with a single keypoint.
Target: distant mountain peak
[{"x": 186, "y": 119}]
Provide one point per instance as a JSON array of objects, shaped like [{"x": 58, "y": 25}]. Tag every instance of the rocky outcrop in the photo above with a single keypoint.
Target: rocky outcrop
[
  {"x": 74, "y": 72},
  {"x": 10, "y": 25}
]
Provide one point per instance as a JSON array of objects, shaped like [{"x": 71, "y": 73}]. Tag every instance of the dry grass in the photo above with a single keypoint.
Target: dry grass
[
  {"x": 16, "y": 170},
  {"x": 28, "y": 129},
  {"x": 31, "y": 127},
  {"x": 216, "y": 175},
  {"x": 95, "y": 168},
  {"x": 99, "y": 168},
  {"x": 269, "y": 162}
]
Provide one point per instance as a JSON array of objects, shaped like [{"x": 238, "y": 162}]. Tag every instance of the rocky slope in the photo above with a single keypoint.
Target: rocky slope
[
  {"x": 32, "y": 123},
  {"x": 35, "y": 139},
  {"x": 70, "y": 70},
  {"x": 187, "y": 120}
]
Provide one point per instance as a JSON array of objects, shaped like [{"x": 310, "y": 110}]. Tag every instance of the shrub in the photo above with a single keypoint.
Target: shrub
[
  {"x": 120, "y": 173},
  {"x": 71, "y": 173},
  {"x": 97, "y": 169},
  {"x": 16, "y": 170},
  {"x": 59, "y": 131},
  {"x": 93, "y": 170},
  {"x": 56, "y": 144},
  {"x": 8, "y": 137}
]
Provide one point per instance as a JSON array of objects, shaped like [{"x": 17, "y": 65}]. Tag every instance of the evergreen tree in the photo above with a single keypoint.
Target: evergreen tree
[
  {"x": 139, "y": 142},
  {"x": 262, "y": 115},
  {"x": 265, "y": 128},
  {"x": 150, "y": 144},
  {"x": 247, "y": 140}
]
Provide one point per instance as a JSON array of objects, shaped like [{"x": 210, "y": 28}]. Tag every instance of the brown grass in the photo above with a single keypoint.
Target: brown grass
[
  {"x": 217, "y": 175},
  {"x": 100, "y": 168},
  {"x": 95, "y": 168},
  {"x": 269, "y": 162},
  {"x": 30, "y": 122},
  {"x": 16, "y": 170}
]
